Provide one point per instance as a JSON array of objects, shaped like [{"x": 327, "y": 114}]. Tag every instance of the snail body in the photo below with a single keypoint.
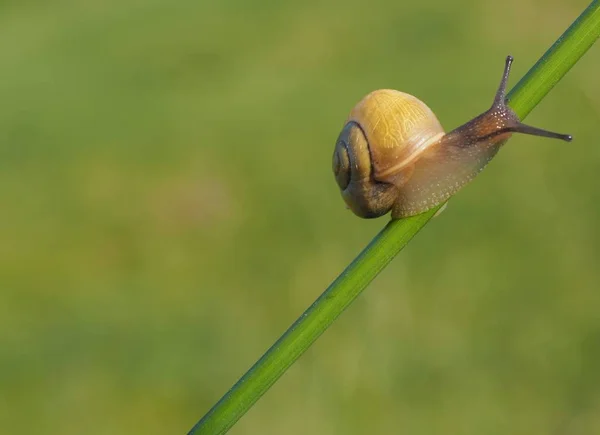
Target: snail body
[{"x": 393, "y": 154}]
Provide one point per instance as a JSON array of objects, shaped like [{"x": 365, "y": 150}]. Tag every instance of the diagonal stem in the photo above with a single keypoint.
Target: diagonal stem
[{"x": 532, "y": 88}]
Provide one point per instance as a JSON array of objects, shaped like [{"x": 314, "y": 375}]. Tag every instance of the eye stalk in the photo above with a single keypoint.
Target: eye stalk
[
  {"x": 497, "y": 123},
  {"x": 517, "y": 126}
]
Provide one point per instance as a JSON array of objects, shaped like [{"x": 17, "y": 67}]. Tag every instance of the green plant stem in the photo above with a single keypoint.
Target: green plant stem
[
  {"x": 310, "y": 325},
  {"x": 556, "y": 62},
  {"x": 532, "y": 88}
]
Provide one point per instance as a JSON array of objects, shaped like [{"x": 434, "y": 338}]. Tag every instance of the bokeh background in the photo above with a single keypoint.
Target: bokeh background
[{"x": 167, "y": 209}]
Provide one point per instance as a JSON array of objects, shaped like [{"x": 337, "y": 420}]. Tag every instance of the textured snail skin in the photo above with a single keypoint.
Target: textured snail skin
[
  {"x": 392, "y": 154},
  {"x": 449, "y": 164}
]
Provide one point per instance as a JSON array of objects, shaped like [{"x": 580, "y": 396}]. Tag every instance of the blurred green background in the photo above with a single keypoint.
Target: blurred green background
[{"x": 167, "y": 209}]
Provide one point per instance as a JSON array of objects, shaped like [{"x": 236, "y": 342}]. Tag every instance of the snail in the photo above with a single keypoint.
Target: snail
[{"x": 393, "y": 154}]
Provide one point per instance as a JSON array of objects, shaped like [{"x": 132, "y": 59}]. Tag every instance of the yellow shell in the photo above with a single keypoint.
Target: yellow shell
[
  {"x": 385, "y": 136},
  {"x": 398, "y": 127}
]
